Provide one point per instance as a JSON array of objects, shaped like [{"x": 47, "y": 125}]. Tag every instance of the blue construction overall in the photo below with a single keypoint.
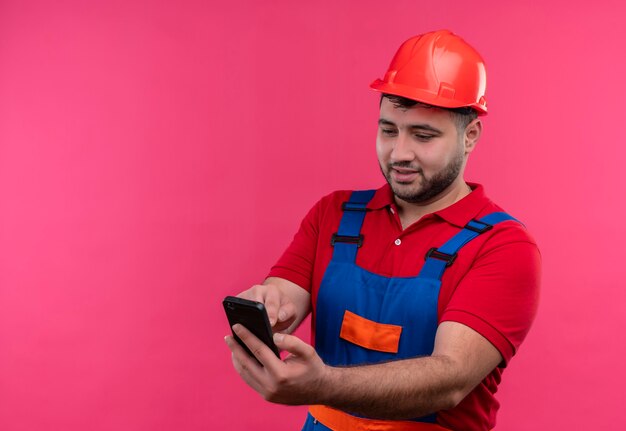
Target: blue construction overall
[{"x": 365, "y": 318}]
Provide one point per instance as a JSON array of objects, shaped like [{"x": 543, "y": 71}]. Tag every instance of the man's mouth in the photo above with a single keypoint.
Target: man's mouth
[{"x": 404, "y": 175}]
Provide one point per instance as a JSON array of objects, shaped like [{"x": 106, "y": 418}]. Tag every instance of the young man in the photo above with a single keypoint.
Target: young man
[{"x": 421, "y": 291}]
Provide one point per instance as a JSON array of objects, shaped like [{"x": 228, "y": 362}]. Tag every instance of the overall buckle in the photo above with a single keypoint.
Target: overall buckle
[
  {"x": 436, "y": 254},
  {"x": 353, "y": 206},
  {"x": 485, "y": 228},
  {"x": 358, "y": 240}
]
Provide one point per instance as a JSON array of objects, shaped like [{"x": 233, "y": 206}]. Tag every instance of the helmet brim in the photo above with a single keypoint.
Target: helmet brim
[{"x": 425, "y": 96}]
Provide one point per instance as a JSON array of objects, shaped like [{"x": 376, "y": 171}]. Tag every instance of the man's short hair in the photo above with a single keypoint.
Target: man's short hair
[{"x": 461, "y": 116}]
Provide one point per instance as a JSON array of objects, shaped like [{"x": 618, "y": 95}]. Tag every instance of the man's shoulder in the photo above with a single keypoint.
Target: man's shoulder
[
  {"x": 508, "y": 231},
  {"x": 513, "y": 230},
  {"x": 328, "y": 209},
  {"x": 336, "y": 196},
  {"x": 334, "y": 200}
]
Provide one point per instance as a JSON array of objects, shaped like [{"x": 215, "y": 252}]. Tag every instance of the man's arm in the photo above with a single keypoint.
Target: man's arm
[
  {"x": 287, "y": 304},
  {"x": 394, "y": 390},
  {"x": 410, "y": 388}
]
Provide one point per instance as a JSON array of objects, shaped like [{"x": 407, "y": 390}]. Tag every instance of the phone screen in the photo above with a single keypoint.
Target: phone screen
[{"x": 253, "y": 316}]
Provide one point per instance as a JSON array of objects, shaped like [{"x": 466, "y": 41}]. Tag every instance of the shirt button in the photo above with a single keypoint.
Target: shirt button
[
  {"x": 392, "y": 211},
  {"x": 397, "y": 242}
]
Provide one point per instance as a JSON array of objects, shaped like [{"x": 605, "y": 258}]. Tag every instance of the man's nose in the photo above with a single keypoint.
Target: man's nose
[{"x": 402, "y": 149}]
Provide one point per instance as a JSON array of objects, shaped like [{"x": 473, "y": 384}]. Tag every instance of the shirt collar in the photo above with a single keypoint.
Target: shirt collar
[
  {"x": 468, "y": 208},
  {"x": 382, "y": 198},
  {"x": 458, "y": 214}
]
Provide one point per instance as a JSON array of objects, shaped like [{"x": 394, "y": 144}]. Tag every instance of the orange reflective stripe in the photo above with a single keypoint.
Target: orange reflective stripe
[
  {"x": 337, "y": 420},
  {"x": 369, "y": 334}
]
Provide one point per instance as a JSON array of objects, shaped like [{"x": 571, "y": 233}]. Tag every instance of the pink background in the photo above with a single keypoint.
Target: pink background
[{"x": 156, "y": 156}]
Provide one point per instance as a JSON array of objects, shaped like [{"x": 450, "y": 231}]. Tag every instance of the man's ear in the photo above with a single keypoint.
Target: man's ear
[{"x": 472, "y": 135}]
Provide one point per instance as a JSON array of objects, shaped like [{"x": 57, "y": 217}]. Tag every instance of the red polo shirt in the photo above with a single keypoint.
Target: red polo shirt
[{"x": 492, "y": 287}]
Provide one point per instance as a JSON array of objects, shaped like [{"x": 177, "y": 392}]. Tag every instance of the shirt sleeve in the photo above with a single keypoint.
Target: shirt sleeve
[{"x": 499, "y": 295}]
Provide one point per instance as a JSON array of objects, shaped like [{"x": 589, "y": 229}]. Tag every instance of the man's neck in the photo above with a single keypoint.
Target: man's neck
[{"x": 410, "y": 212}]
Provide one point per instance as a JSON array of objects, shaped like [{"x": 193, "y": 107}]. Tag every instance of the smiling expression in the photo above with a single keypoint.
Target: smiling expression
[{"x": 420, "y": 151}]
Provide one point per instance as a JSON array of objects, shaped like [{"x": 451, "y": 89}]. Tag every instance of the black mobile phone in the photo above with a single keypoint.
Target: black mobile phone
[{"x": 253, "y": 316}]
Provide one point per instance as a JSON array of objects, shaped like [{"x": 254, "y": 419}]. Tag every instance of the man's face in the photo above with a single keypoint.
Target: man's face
[{"x": 420, "y": 151}]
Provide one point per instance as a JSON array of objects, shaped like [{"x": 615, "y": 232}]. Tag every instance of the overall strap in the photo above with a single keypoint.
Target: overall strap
[
  {"x": 438, "y": 259},
  {"x": 348, "y": 237}
]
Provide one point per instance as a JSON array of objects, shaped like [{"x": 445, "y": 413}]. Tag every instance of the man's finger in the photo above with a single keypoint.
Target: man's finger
[
  {"x": 293, "y": 345},
  {"x": 239, "y": 352},
  {"x": 287, "y": 311},
  {"x": 249, "y": 369},
  {"x": 264, "y": 354},
  {"x": 272, "y": 304},
  {"x": 253, "y": 294}
]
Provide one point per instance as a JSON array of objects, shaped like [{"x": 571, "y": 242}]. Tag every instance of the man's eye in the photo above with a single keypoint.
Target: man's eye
[
  {"x": 424, "y": 137},
  {"x": 388, "y": 132}
]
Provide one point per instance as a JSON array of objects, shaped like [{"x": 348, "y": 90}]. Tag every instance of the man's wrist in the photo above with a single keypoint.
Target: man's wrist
[{"x": 328, "y": 384}]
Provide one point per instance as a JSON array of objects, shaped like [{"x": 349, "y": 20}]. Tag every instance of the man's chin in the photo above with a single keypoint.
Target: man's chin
[{"x": 406, "y": 192}]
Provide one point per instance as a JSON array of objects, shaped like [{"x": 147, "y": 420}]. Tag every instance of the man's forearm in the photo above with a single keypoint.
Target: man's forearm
[
  {"x": 395, "y": 390},
  {"x": 400, "y": 389}
]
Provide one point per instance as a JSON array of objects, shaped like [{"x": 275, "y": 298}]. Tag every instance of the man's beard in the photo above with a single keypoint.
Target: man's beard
[{"x": 430, "y": 187}]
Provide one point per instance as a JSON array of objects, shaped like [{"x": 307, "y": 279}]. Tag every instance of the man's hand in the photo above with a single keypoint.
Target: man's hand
[
  {"x": 286, "y": 303},
  {"x": 296, "y": 380}
]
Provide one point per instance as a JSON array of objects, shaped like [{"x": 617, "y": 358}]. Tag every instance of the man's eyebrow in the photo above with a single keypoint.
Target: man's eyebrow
[
  {"x": 428, "y": 127},
  {"x": 383, "y": 122}
]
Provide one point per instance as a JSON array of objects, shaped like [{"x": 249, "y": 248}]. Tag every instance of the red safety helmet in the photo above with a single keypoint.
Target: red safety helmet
[{"x": 437, "y": 68}]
